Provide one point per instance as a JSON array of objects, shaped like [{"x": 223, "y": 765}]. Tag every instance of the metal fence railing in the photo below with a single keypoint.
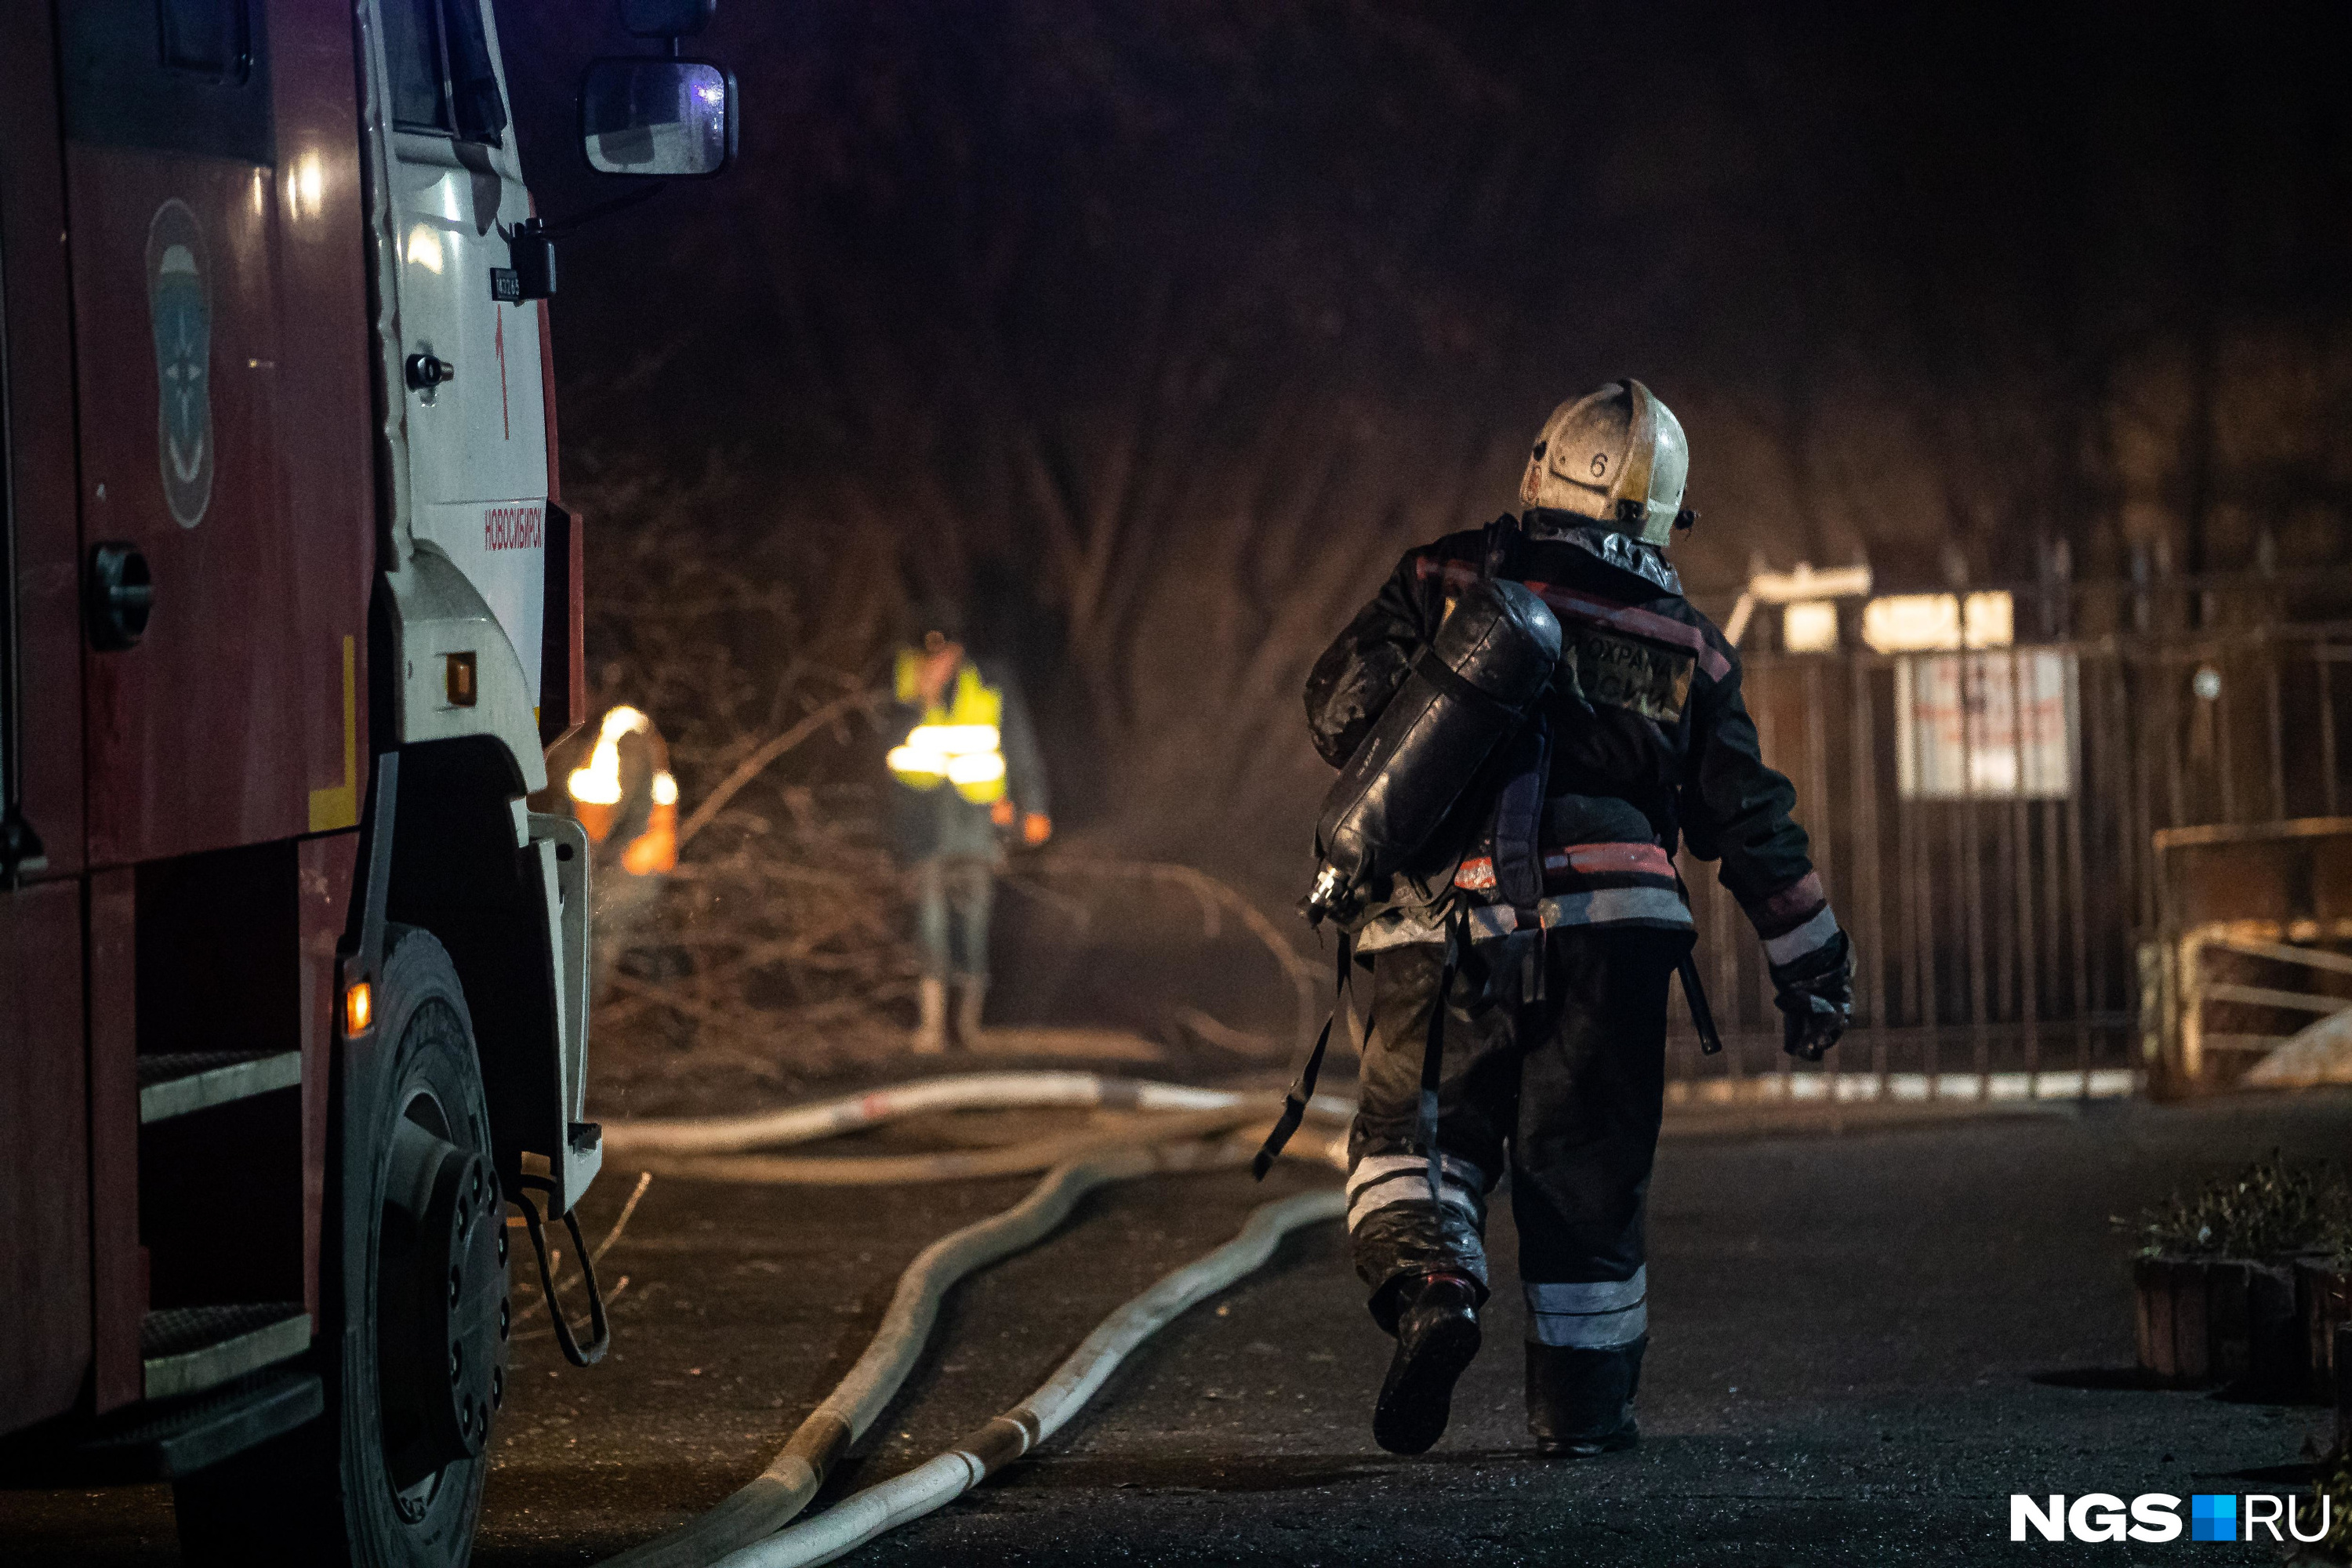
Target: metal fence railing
[{"x": 1983, "y": 820}]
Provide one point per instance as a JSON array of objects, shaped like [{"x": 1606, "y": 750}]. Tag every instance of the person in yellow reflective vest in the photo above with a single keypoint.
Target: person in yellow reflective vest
[{"x": 966, "y": 778}]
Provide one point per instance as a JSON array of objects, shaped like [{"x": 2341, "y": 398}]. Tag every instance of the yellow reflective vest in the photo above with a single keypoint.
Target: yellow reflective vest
[{"x": 959, "y": 741}]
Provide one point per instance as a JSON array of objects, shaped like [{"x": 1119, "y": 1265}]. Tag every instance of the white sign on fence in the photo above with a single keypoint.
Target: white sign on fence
[{"x": 1992, "y": 725}]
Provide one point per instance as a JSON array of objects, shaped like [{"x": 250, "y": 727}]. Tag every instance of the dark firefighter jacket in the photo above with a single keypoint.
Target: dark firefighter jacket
[{"x": 1651, "y": 745}]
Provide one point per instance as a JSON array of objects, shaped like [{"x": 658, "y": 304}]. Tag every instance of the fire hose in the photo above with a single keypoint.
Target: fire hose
[
  {"x": 869, "y": 1514},
  {"x": 966, "y": 1091},
  {"x": 744, "y": 1529}
]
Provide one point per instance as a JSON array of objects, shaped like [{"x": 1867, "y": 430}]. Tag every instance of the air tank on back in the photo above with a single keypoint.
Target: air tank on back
[{"x": 1469, "y": 690}]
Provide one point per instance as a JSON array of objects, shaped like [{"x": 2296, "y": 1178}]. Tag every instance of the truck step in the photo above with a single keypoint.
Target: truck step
[
  {"x": 164, "y": 1442},
  {"x": 175, "y": 1085},
  {"x": 189, "y": 1349}
]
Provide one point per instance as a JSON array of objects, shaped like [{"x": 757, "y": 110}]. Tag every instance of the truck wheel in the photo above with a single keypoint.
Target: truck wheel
[{"x": 414, "y": 1346}]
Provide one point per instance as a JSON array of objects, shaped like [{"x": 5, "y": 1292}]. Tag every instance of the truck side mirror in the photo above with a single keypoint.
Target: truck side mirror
[{"x": 671, "y": 118}]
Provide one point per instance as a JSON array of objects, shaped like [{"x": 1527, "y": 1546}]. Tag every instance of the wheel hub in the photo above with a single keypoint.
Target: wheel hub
[{"x": 444, "y": 1303}]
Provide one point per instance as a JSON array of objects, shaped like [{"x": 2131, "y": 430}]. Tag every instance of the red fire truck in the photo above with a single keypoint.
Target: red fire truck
[{"x": 292, "y": 982}]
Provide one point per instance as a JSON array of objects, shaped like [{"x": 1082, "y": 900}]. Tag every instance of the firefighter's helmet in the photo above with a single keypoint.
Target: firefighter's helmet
[{"x": 1616, "y": 455}]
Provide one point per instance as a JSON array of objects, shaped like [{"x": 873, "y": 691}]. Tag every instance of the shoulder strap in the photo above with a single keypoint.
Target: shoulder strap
[
  {"x": 1500, "y": 557},
  {"x": 1433, "y": 1055},
  {"x": 1310, "y": 1066}
]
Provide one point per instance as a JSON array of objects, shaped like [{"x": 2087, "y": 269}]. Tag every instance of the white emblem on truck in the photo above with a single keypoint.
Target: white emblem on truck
[{"x": 179, "y": 303}]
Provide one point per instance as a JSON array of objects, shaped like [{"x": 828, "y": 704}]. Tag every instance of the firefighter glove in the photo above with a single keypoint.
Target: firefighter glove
[{"x": 1815, "y": 996}]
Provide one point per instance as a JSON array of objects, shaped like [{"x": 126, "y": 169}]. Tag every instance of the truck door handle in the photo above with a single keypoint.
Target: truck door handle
[
  {"x": 121, "y": 593},
  {"x": 425, "y": 372}
]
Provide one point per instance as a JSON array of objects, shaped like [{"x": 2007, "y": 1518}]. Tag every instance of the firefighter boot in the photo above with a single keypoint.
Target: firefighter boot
[
  {"x": 1581, "y": 1402},
  {"x": 1436, "y": 1335},
  {"x": 970, "y": 992},
  {"x": 931, "y": 1033}
]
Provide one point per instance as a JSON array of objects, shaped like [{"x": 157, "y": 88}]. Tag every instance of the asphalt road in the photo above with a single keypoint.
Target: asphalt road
[{"x": 1862, "y": 1345}]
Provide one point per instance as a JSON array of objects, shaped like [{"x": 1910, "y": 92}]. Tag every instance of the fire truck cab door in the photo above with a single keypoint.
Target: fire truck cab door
[
  {"x": 477, "y": 424},
  {"x": 221, "y": 379}
]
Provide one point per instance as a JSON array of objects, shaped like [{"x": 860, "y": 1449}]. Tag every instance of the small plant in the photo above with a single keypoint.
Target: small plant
[
  {"x": 2332, "y": 1487},
  {"x": 2273, "y": 1207}
]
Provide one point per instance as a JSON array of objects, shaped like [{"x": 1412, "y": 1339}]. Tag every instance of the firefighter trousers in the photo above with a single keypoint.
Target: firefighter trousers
[{"x": 1563, "y": 1090}]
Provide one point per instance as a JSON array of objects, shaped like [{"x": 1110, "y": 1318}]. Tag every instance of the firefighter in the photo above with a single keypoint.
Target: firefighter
[
  {"x": 1549, "y": 1031},
  {"x": 966, "y": 778}
]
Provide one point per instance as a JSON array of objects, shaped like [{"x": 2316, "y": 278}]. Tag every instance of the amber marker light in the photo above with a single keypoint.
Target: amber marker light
[
  {"x": 359, "y": 1008},
  {"x": 461, "y": 679}
]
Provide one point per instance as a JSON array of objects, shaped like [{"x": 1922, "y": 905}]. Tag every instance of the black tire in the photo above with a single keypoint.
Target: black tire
[{"x": 390, "y": 1475}]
